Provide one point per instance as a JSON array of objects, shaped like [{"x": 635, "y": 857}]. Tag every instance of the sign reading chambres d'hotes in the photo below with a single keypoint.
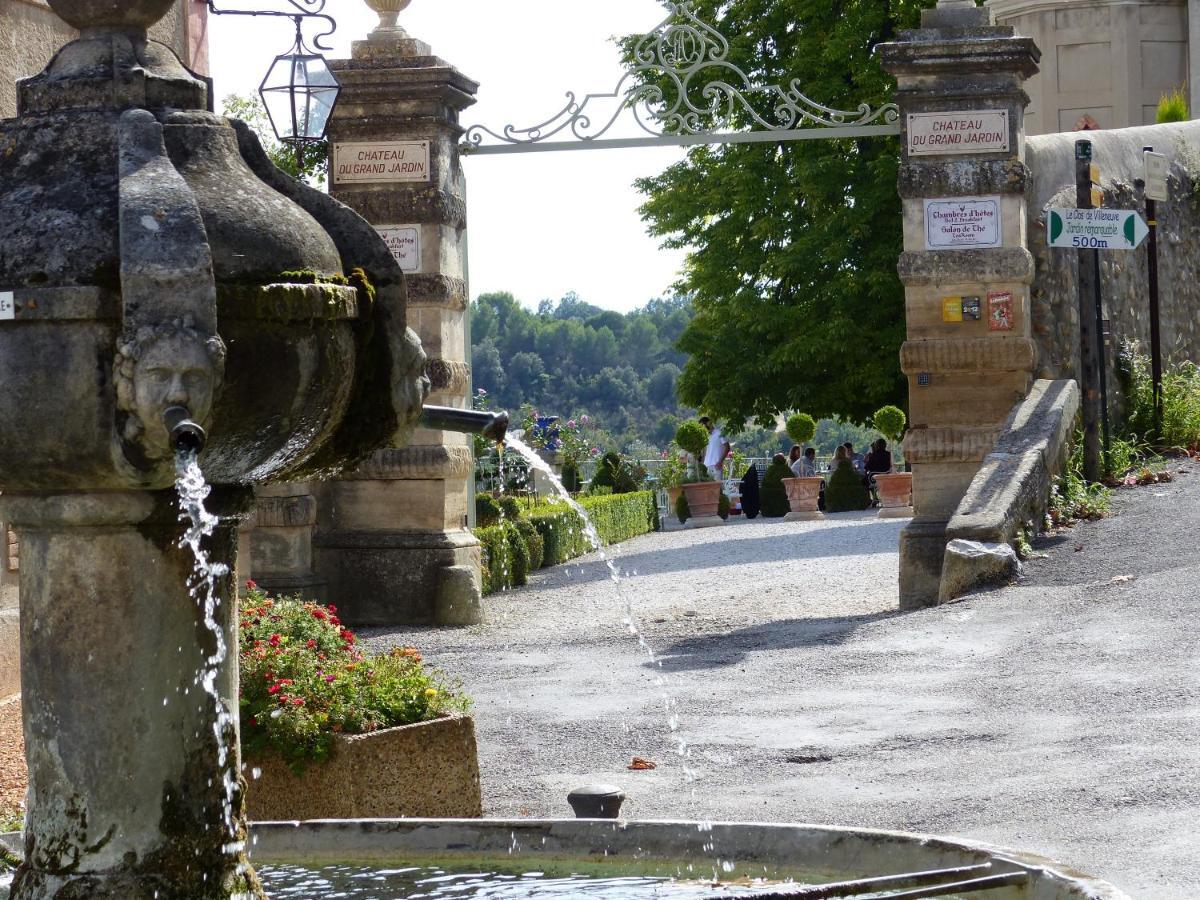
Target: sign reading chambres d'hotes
[
  {"x": 380, "y": 162},
  {"x": 940, "y": 133}
]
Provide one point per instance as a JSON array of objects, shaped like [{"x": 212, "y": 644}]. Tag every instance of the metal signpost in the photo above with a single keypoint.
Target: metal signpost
[{"x": 1156, "y": 189}]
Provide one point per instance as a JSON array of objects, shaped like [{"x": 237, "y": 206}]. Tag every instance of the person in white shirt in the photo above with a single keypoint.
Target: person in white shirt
[
  {"x": 806, "y": 465},
  {"x": 717, "y": 450}
]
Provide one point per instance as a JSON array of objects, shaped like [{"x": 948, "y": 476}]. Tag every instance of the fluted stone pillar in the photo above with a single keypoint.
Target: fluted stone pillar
[
  {"x": 392, "y": 540},
  {"x": 965, "y": 267},
  {"x": 281, "y": 550}
]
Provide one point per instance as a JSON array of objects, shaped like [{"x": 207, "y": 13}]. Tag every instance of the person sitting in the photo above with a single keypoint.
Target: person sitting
[
  {"x": 855, "y": 458},
  {"x": 794, "y": 456},
  {"x": 806, "y": 465},
  {"x": 879, "y": 460}
]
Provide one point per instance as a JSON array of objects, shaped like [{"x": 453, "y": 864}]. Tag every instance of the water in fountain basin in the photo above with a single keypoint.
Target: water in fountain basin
[
  {"x": 199, "y": 524},
  {"x": 614, "y": 574}
]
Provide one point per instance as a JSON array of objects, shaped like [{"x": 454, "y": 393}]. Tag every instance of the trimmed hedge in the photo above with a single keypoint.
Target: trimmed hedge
[
  {"x": 618, "y": 517},
  {"x": 774, "y": 495},
  {"x": 506, "y": 556},
  {"x": 845, "y": 490}
]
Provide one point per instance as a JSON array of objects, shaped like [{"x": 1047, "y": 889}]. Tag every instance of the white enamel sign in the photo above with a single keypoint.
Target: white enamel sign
[
  {"x": 1156, "y": 175},
  {"x": 1095, "y": 229},
  {"x": 962, "y": 222},
  {"x": 381, "y": 162},
  {"x": 405, "y": 243},
  {"x": 944, "y": 133},
  {"x": 8, "y": 309}
]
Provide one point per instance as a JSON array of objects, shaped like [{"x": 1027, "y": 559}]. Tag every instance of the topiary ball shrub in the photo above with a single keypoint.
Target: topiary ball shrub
[
  {"x": 889, "y": 421},
  {"x": 487, "y": 511},
  {"x": 682, "y": 510},
  {"x": 692, "y": 437},
  {"x": 801, "y": 427},
  {"x": 571, "y": 479},
  {"x": 845, "y": 491},
  {"x": 773, "y": 498},
  {"x": 723, "y": 507},
  {"x": 511, "y": 508}
]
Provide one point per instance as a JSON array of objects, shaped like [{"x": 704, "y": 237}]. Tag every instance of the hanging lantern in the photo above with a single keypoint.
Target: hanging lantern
[{"x": 299, "y": 94}]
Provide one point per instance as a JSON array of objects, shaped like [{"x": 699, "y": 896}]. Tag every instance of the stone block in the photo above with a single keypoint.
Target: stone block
[
  {"x": 922, "y": 549},
  {"x": 459, "y": 599},
  {"x": 971, "y": 564},
  {"x": 426, "y": 770}
]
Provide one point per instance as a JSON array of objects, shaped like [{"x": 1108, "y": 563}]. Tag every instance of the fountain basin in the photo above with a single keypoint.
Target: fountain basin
[{"x": 816, "y": 853}]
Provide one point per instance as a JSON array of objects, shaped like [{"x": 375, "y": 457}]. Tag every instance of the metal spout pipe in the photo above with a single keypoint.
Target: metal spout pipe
[
  {"x": 186, "y": 435},
  {"x": 493, "y": 426}
]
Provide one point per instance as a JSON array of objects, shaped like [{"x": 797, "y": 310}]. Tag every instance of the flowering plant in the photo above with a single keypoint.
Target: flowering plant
[
  {"x": 304, "y": 679},
  {"x": 673, "y": 471},
  {"x": 572, "y": 438}
]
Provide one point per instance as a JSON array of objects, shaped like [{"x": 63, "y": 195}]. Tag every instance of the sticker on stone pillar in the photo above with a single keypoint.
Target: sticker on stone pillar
[
  {"x": 405, "y": 243},
  {"x": 8, "y": 308},
  {"x": 1000, "y": 311},
  {"x": 952, "y": 310},
  {"x": 381, "y": 162},
  {"x": 924, "y": 379},
  {"x": 948, "y": 133},
  {"x": 962, "y": 222},
  {"x": 970, "y": 309}
]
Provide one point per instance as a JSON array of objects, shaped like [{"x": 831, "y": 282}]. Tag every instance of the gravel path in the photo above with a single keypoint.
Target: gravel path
[
  {"x": 12, "y": 759},
  {"x": 1058, "y": 716}
]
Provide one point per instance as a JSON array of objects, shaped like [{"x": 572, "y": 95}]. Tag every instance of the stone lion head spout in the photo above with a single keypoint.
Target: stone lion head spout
[{"x": 155, "y": 369}]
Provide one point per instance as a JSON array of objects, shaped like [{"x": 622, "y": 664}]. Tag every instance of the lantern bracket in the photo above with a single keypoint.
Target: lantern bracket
[{"x": 303, "y": 9}]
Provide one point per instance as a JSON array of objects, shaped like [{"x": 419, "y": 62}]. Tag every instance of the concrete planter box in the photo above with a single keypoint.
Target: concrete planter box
[
  {"x": 804, "y": 495},
  {"x": 703, "y": 498},
  {"x": 895, "y": 495},
  {"x": 430, "y": 769}
]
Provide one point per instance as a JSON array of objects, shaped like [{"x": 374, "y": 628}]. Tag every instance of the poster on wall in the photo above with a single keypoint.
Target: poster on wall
[
  {"x": 1000, "y": 311},
  {"x": 405, "y": 243},
  {"x": 962, "y": 222}
]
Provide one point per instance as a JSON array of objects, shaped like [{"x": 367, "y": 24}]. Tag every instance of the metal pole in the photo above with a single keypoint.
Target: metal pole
[
  {"x": 1101, "y": 362},
  {"x": 1155, "y": 334},
  {"x": 1089, "y": 371}
]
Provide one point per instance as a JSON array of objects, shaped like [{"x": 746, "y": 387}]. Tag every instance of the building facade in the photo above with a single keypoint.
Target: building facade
[
  {"x": 30, "y": 34},
  {"x": 1105, "y": 63}
]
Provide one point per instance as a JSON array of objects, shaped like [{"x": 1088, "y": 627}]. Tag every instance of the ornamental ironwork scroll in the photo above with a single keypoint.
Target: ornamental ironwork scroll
[{"x": 681, "y": 88}]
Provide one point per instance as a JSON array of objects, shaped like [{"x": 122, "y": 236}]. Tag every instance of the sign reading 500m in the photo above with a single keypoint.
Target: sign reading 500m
[{"x": 381, "y": 162}]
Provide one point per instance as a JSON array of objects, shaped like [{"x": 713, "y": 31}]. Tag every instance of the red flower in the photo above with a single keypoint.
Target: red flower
[
  {"x": 251, "y": 584},
  {"x": 274, "y": 689},
  {"x": 319, "y": 614},
  {"x": 346, "y": 635},
  {"x": 331, "y": 608},
  {"x": 310, "y": 643},
  {"x": 275, "y": 639}
]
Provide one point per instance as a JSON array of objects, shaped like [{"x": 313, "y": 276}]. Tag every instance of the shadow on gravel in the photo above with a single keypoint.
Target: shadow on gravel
[
  {"x": 715, "y": 651},
  {"x": 877, "y": 537}
]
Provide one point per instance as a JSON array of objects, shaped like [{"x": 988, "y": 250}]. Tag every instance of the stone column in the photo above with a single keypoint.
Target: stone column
[
  {"x": 965, "y": 267},
  {"x": 392, "y": 539},
  {"x": 281, "y": 551},
  {"x": 124, "y": 749}
]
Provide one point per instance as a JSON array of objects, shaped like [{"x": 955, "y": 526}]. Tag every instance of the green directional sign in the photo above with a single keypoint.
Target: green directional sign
[{"x": 1095, "y": 229}]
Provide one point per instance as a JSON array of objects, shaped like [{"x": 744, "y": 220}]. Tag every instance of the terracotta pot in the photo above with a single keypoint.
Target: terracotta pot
[
  {"x": 804, "y": 494},
  {"x": 895, "y": 493},
  {"x": 703, "y": 498},
  {"x": 673, "y": 494}
]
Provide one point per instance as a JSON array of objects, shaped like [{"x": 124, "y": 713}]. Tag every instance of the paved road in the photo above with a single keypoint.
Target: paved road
[{"x": 1058, "y": 716}]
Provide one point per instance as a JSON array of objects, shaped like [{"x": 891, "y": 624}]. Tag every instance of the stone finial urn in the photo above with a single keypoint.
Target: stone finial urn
[
  {"x": 388, "y": 12},
  {"x": 160, "y": 270}
]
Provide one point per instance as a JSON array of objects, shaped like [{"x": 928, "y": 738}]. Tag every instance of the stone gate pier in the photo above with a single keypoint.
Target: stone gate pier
[{"x": 969, "y": 357}]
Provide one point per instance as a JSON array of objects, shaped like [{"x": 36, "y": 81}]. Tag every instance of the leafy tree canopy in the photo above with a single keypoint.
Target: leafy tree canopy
[
  {"x": 793, "y": 245},
  {"x": 251, "y": 111}
]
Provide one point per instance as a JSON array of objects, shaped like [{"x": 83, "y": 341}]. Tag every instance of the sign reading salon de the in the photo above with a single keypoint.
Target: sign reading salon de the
[{"x": 962, "y": 222}]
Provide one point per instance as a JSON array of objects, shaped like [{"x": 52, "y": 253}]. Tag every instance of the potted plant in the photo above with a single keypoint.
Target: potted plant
[
  {"x": 703, "y": 495},
  {"x": 894, "y": 488},
  {"x": 329, "y": 731},
  {"x": 672, "y": 473},
  {"x": 803, "y": 493}
]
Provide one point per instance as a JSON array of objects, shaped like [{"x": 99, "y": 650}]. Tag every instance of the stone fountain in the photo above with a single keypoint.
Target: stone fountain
[{"x": 166, "y": 281}]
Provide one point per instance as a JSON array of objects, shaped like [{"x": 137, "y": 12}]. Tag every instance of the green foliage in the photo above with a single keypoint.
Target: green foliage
[
  {"x": 533, "y": 542},
  {"x": 723, "y": 506},
  {"x": 487, "y": 510},
  {"x": 793, "y": 245},
  {"x": 571, "y": 478},
  {"x": 574, "y": 358},
  {"x": 506, "y": 556},
  {"x": 801, "y": 427},
  {"x": 683, "y": 512},
  {"x": 305, "y": 679},
  {"x": 617, "y": 517},
  {"x": 845, "y": 491},
  {"x": 1180, "y": 400},
  {"x": 890, "y": 421},
  {"x": 316, "y": 156},
  {"x": 672, "y": 472},
  {"x": 1071, "y": 497},
  {"x": 692, "y": 437},
  {"x": 617, "y": 475},
  {"x": 1172, "y": 107},
  {"x": 773, "y": 495}
]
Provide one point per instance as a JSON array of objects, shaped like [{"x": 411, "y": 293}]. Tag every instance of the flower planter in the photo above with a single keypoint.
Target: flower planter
[
  {"x": 804, "y": 495},
  {"x": 703, "y": 498},
  {"x": 426, "y": 770},
  {"x": 895, "y": 495}
]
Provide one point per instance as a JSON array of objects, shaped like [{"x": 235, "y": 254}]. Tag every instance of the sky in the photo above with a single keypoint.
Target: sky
[{"x": 539, "y": 224}]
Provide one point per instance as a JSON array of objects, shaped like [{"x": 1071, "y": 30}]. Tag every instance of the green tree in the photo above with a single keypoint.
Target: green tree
[
  {"x": 316, "y": 156},
  {"x": 793, "y": 245}
]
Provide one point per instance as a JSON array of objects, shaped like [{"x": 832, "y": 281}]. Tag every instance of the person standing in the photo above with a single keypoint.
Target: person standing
[{"x": 717, "y": 450}]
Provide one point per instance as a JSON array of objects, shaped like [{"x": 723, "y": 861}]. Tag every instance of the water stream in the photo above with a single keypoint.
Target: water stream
[
  {"x": 199, "y": 524},
  {"x": 614, "y": 573}
]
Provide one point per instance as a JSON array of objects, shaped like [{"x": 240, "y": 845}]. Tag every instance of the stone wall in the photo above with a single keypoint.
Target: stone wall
[
  {"x": 1051, "y": 161},
  {"x": 30, "y": 34},
  {"x": 1107, "y": 60}
]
